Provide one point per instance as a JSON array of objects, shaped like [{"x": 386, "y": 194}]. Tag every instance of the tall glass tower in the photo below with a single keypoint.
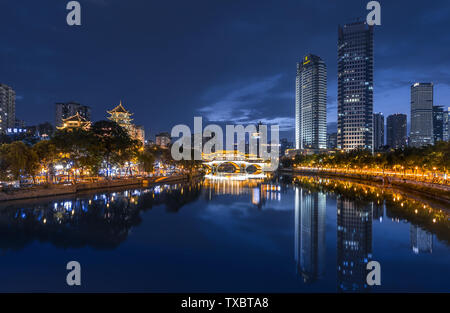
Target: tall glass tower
[
  {"x": 311, "y": 104},
  {"x": 355, "y": 86},
  {"x": 421, "y": 114}
]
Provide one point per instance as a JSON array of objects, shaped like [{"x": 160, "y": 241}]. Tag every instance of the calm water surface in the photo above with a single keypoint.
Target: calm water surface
[{"x": 278, "y": 235}]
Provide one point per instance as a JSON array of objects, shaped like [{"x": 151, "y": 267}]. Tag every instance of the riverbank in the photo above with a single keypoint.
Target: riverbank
[
  {"x": 434, "y": 191},
  {"x": 61, "y": 190}
]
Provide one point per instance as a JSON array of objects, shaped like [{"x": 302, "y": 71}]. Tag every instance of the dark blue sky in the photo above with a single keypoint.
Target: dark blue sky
[{"x": 226, "y": 60}]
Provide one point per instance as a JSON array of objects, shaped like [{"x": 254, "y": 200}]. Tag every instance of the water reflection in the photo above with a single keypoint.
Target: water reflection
[
  {"x": 102, "y": 221},
  {"x": 334, "y": 224},
  {"x": 354, "y": 244},
  {"x": 310, "y": 215}
]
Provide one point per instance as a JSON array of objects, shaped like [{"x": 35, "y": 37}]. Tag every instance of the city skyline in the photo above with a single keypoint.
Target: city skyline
[{"x": 247, "y": 87}]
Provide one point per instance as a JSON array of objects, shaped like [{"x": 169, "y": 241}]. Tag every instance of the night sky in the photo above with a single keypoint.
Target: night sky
[{"x": 226, "y": 60}]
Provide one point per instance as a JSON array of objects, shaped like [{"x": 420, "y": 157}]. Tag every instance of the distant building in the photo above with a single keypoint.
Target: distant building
[
  {"x": 7, "y": 108},
  {"x": 396, "y": 131},
  {"x": 355, "y": 86},
  {"x": 332, "y": 141},
  {"x": 378, "y": 131},
  {"x": 421, "y": 115},
  {"x": 447, "y": 124},
  {"x": 139, "y": 134},
  {"x": 438, "y": 123},
  {"x": 19, "y": 124},
  {"x": 285, "y": 145},
  {"x": 311, "y": 104},
  {"x": 68, "y": 109},
  {"x": 163, "y": 140},
  {"x": 75, "y": 122}
]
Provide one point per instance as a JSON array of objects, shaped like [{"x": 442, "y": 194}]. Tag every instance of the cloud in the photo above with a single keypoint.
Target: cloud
[{"x": 244, "y": 102}]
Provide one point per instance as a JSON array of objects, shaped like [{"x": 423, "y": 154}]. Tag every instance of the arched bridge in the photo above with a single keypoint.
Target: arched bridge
[{"x": 242, "y": 163}]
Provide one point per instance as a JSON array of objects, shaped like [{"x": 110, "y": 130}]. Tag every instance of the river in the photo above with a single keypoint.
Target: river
[{"x": 280, "y": 234}]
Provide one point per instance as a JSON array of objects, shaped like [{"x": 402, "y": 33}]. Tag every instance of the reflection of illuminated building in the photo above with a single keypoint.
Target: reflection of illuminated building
[
  {"x": 310, "y": 214},
  {"x": 421, "y": 240},
  {"x": 354, "y": 244},
  {"x": 259, "y": 192},
  {"x": 378, "y": 211}
]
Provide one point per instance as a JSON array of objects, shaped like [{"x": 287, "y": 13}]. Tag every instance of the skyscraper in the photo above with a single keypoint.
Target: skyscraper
[
  {"x": 355, "y": 86},
  {"x": 447, "y": 125},
  {"x": 7, "y": 108},
  {"x": 311, "y": 104},
  {"x": 378, "y": 131},
  {"x": 438, "y": 123},
  {"x": 69, "y": 109},
  {"x": 396, "y": 131},
  {"x": 421, "y": 133}
]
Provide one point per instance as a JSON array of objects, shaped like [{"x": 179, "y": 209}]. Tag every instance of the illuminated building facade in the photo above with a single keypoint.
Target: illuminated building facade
[
  {"x": 75, "y": 122},
  {"x": 163, "y": 140},
  {"x": 438, "y": 123},
  {"x": 378, "y": 131},
  {"x": 421, "y": 115},
  {"x": 355, "y": 86},
  {"x": 7, "y": 108},
  {"x": 396, "y": 131},
  {"x": 65, "y": 110},
  {"x": 311, "y": 104},
  {"x": 123, "y": 118}
]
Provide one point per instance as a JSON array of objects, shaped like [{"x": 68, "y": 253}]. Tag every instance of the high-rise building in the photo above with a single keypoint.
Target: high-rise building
[
  {"x": 396, "y": 131},
  {"x": 378, "y": 131},
  {"x": 65, "y": 110},
  {"x": 355, "y": 86},
  {"x": 163, "y": 140},
  {"x": 311, "y": 104},
  {"x": 447, "y": 125},
  {"x": 421, "y": 133},
  {"x": 332, "y": 141},
  {"x": 438, "y": 123},
  {"x": 7, "y": 108}
]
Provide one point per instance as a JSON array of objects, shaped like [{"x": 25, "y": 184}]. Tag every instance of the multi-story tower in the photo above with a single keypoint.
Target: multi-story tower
[
  {"x": 7, "y": 108},
  {"x": 396, "y": 131},
  {"x": 65, "y": 110},
  {"x": 378, "y": 131},
  {"x": 421, "y": 133},
  {"x": 438, "y": 123},
  {"x": 355, "y": 86},
  {"x": 122, "y": 117},
  {"x": 447, "y": 125},
  {"x": 311, "y": 104}
]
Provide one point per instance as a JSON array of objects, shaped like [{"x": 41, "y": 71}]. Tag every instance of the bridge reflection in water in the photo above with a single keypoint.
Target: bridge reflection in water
[{"x": 331, "y": 218}]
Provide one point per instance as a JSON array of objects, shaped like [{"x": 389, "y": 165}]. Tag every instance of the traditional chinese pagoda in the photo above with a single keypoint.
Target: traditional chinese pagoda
[
  {"x": 122, "y": 117},
  {"x": 75, "y": 122}
]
